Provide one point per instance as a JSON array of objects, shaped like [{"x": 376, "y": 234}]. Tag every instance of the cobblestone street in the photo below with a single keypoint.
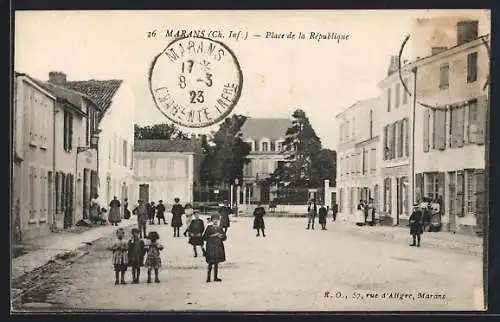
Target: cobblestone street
[{"x": 290, "y": 269}]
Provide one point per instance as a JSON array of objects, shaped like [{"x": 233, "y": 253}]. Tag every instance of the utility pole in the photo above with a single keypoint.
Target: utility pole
[{"x": 414, "y": 71}]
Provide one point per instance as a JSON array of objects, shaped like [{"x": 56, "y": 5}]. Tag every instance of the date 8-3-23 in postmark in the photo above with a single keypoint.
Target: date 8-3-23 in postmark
[{"x": 195, "y": 81}]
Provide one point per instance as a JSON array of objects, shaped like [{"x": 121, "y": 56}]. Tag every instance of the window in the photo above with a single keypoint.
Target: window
[
  {"x": 403, "y": 195},
  {"x": 405, "y": 93},
  {"x": 393, "y": 140},
  {"x": 88, "y": 127},
  {"x": 444, "y": 73},
  {"x": 68, "y": 131},
  {"x": 434, "y": 184},
  {"x": 265, "y": 146},
  {"x": 365, "y": 161},
  {"x": 373, "y": 160},
  {"x": 407, "y": 137},
  {"x": 471, "y": 192},
  {"x": 457, "y": 126},
  {"x": 43, "y": 195},
  {"x": 387, "y": 195},
  {"x": 388, "y": 100},
  {"x": 279, "y": 146},
  {"x": 400, "y": 138},
  {"x": 386, "y": 142},
  {"x": 471, "y": 67},
  {"x": 341, "y": 199},
  {"x": 125, "y": 150},
  {"x": 439, "y": 129},
  {"x": 31, "y": 192},
  {"x": 371, "y": 124},
  {"x": 425, "y": 131},
  {"x": 477, "y": 120},
  {"x": 460, "y": 193},
  {"x": 397, "y": 95}
]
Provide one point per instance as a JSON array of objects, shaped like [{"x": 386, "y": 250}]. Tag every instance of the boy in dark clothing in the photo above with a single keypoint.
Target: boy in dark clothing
[
  {"x": 160, "y": 212},
  {"x": 416, "y": 225},
  {"x": 136, "y": 252}
]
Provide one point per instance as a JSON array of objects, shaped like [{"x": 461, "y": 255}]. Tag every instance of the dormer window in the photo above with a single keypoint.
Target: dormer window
[
  {"x": 251, "y": 144},
  {"x": 265, "y": 146}
]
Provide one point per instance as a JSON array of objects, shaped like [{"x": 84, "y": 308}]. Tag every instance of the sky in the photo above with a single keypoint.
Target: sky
[{"x": 279, "y": 75}]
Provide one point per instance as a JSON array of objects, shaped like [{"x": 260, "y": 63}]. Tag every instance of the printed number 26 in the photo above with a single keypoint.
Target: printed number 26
[{"x": 196, "y": 97}]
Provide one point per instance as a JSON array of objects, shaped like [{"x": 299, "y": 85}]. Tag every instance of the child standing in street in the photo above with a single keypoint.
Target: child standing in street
[
  {"x": 136, "y": 252},
  {"x": 120, "y": 249},
  {"x": 153, "y": 260}
]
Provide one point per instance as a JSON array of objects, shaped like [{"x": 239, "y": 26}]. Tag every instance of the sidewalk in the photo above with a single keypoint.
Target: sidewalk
[
  {"x": 48, "y": 247},
  {"x": 442, "y": 240}
]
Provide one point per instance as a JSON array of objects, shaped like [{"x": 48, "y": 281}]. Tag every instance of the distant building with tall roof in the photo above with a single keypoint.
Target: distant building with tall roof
[{"x": 265, "y": 137}]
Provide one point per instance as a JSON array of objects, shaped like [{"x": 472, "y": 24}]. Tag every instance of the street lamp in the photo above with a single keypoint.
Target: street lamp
[{"x": 94, "y": 144}]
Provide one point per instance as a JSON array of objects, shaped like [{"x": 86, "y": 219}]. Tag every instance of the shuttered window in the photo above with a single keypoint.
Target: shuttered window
[
  {"x": 387, "y": 195},
  {"x": 460, "y": 193},
  {"x": 401, "y": 136},
  {"x": 407, "y": 137},
  {"x": 471, "y": 192},
  {"x": 426, "y": 130},
  {"x": 386, "y": 141},
  {"x": 393, "y": 140},
  {"x": 457, "y": 126},
  {"x": 68, "y": 131},
  {"x": 439, "y": 129},
  {"x": 480, "y": 199},
  {"x": 373, "y": 160},
  {"x": 477, "y": 120},
  {"x": 31, "y": 192}
]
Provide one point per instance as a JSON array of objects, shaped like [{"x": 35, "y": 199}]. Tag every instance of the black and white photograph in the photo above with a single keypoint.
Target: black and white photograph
[{"x": 250, "y": 160}]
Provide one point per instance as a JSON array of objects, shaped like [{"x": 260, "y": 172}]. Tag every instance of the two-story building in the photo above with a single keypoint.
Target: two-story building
[
  {"x": 166, "y": 169},
  {"x": 33, "y": 159},
  {"x": 265, "y": 137},
  {"x": 116, "y": 138},
  {"x": 450, "y": 132},
  {"x": 358, "y": 152},
  {"x": 395, "y": 114}
]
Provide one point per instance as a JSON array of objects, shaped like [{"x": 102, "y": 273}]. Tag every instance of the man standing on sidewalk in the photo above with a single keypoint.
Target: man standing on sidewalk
[
  {"x": 416, "y": 224},
  {"x": 312, "y": 211},
  {"x": 142, "y": 217},
  {"x": 335, "y": 210}
]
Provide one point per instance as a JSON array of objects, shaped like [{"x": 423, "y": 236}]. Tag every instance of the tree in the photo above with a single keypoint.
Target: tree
[
  {"x": 225, "y": 153},
  {"x": 163, "y": 131},
  {"x": 307, "y": 164}
]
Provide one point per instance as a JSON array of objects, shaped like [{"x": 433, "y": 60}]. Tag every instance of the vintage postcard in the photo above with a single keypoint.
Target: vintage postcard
[{"x": 306, "y": 160}]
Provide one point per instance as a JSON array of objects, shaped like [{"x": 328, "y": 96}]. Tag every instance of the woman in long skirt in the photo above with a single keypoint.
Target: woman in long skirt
[
  {"x": 114, "y": 212},
  {"x": 360, "y": 215},
  {"x": 322, "y": 212},
  {"x": 258, "y": 222},
  {"x": 195, "y": 231},
  {"x": 215, "y": 252}
]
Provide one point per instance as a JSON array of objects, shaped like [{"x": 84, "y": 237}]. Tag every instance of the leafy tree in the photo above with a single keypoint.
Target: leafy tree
[
  {"x": 164, "y": 131},
  {"x": 307, "y": 164},
  {"x": 225, "y": 153}
]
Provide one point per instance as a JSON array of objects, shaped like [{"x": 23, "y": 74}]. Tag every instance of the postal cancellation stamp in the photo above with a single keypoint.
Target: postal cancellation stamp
[{"x": 195, "y": 81}]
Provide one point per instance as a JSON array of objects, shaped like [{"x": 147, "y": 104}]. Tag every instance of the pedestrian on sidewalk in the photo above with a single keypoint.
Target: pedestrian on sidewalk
[
  {"x": 335, "y": 210},
  {"x": 188, "y": 210},
  {"x": 215, "y": 252},
  {"x": 258, "y": 221},
  {"x": 114, "y": 211},
  {"x": 177, "y": 212},
  {"x": 224, "y": 212},
  {"x": 195, "y": 231},
  {"x": 142, "y": 217},
  {"x": 136, "y": 252},
  {"x": 153, "y": 259},
  {"x": 126, "y": 212},
  {"x": 312, "y": 212},
  {"x": 416, "y": 224},
  {"x": 322, "y": 212},
  {"x": 151, "y": 213},
  {"x": 160, "y": 212},
  {"x": 370, "y": 218},
  {"x": 120, "y": 249},
  {"x": 95, "y": 210},
  {"x": 360, "y": 214}
]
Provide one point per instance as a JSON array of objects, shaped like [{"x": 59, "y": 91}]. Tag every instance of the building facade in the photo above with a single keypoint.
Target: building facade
[
  {"x": 450, "y": 137},
  {"x": 358, "y": 154},
  {"x": 166, "y": 169},
  {"x": 396, "y": 114},
  {"x": 116, "y": 137},
  {"x": 265, "y": 138},
  {"x": 33, "y": 166}
]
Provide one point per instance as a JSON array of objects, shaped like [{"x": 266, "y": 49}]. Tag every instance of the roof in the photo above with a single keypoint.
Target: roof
[
  {"x": 71, "y": 96},
  {"x": 257, "y": 128},
  {"x": 100, "y": 91},
  {"x": 168, "y": 145},
  {"x": 366, "y": 102}
]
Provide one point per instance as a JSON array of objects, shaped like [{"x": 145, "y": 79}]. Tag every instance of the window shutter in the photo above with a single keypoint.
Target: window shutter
[
  {"x": 419, "y": 183},
  {"x": 459, "y": 133},
  {"x": 460, "y": 193},
  {"x": 407, "y": 137},
  {"x": 393, "y": 140},
  {"x": 440, "y": 129},
  {"x": 482, "y": 112},
  {"x": 480, "y": 199},
  {"x": 426, "y": 131},
  {"x": 385, "y": 143}
]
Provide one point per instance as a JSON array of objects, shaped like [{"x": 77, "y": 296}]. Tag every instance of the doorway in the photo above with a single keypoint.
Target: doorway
[{"x": 144, "y": 192}]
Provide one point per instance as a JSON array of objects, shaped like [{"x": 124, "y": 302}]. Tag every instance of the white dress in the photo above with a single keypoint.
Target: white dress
[{"x": 360, "y": 216}]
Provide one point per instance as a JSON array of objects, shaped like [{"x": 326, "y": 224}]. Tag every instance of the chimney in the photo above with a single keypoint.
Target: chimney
[
  {"x": 57, "y": 78},
  {"x": 393, "y": 66},
  {"x": 467, "y": 30},
  {"x": 437, "y": 50}
]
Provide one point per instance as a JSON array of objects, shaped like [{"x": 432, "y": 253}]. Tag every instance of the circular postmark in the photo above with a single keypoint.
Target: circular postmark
[{"x": 195, "y": 82}]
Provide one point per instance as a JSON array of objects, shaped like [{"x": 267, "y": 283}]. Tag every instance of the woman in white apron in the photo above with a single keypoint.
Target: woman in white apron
[{"x": 360, "y": 215}]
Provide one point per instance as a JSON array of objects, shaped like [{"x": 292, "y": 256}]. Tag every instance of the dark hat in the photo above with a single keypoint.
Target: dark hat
[
  {"x": 160, "y": 201},
  {"x": 153, "y": 235},
  {"x": 214, "y": 217},
  {"x": 176, "y": 199}
]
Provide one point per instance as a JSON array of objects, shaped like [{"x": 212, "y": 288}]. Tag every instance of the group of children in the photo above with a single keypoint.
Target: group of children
[{"x": 131, "y": 253}]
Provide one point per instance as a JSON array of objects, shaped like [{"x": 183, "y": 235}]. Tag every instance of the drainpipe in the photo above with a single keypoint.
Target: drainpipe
[{"x": 414, "y": 71}]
